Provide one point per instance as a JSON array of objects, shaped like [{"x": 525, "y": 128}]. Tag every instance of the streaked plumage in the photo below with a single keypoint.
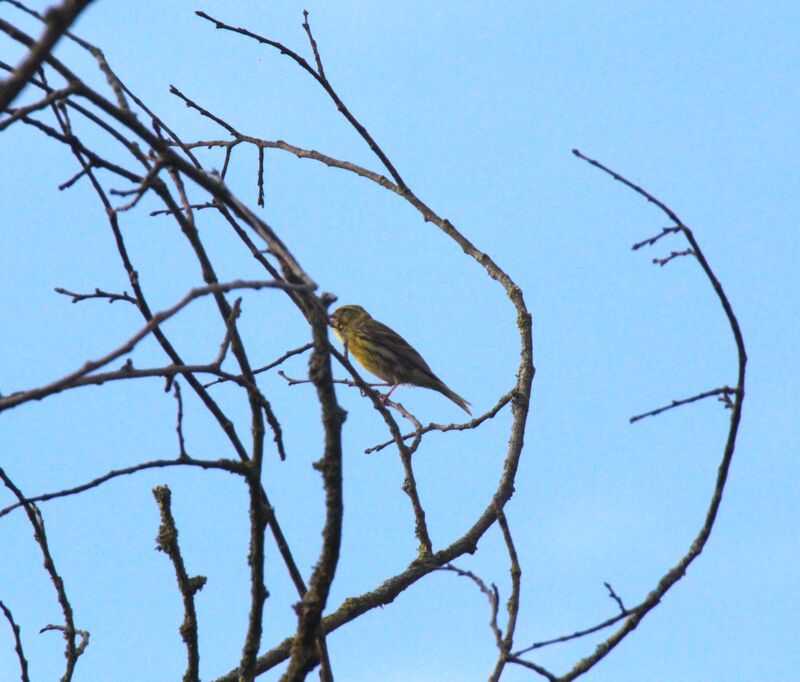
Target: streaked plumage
[{"x": 386, "y": 354}]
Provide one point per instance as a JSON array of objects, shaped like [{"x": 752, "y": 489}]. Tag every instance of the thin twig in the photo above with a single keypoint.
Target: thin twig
[
  {"x": 578, "y": 634},
  {"x": 314, "y": 49},
  {"x": 50, "y": 98},
  {"x": 194, "y": 207},
  {"x": 84, "y": 635},
  {"x": 673, "y": 254},
  {"x": 616, "y": 598},
  {"x": 98, "y": 293},
  {"x": 300, "y": 153},
  {"x": 652, "y": 240},
  {"x": 59, "y": 385},
  {"x": 69, "y": 183},
  {"x": 182, "y": 454},
  {"x": 37, "y": 522},
  {"x": 116, "y": 86},
  {"x": 491, "y": 593},
  {"x": 533, "y": 666},
  {"x": 466, "y": 426},
  {"x": 725, "y": 391},
  {"x": 203, "y": 112},
  {"x": 231, "y": 466},
  {"x": 226, "y": 341},
  {"x": 271, "y": 365},
  {"x": 513, "y": 603},
  {"x": 23, "y": 663},
  {"x": 261, "y": 177}
]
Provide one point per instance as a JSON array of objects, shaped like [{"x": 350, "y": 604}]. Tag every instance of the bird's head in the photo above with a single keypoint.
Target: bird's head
[{"x": 346, "y": 316}]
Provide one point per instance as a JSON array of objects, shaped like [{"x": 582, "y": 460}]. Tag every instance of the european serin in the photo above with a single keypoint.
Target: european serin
[{"x": 386, "y": 354}]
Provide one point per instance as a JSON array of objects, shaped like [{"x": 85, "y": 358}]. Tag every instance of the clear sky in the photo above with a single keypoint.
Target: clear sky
[{"x": 478, "y": 105}]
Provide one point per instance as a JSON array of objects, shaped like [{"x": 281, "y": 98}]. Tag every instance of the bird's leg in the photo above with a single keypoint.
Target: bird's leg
[
  {"x": 386, "y": 397},
  {"x": 375, "y": 386}
]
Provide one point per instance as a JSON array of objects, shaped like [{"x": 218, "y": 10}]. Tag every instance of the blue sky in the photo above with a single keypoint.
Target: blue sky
[{"x": 478, "y": 105}]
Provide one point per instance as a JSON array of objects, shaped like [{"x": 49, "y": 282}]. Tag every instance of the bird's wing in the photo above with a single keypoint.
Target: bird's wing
[{"x": 406, "y": 355}]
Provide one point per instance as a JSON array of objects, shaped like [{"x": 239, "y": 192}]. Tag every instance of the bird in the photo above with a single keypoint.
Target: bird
[{"x": 386, "y": 354}]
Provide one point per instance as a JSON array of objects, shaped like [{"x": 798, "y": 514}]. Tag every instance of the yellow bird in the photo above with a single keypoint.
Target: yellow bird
[{"x": 386, "y": 354}]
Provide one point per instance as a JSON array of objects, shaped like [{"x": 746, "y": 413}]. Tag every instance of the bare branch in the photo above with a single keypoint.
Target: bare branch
[
  {"x": 679, "y": 570},
  {"x": 84, "y": 635},
  {"x": 323, "y": 81},
  {"x": 229, "y": 331},
  {"x": 69, "y": 183},
  {"x": 652, "y": 240},
  {"x": 50, "y": 98},
  {"x": 261, "y": 177},
  {"x": 624, "y": 613},
  {"x": 182, "y": 454},
  {"x": 272, "y": 365},
  {"x": 23, "y": 663},
  {"x": 471, "y": 424},
  {"x": 37, "y": 522},
  {"x": 194, "y": 207},
  {"x": 616, "y": 598},
  {"x": 300, "y": 153},
  {"x": 673, "y": 254},
  {"x": 65, "y": 382},
  {"x": 98, "y": 293},
  {"x": 167, "y": 542},
  {"x": 228, "y": 465},
  {"x": 575, "y": 635},
  {"x": 513, "y": 603},
  {"x": 536, "y": 668},
  {"x": 309, "y": 633},
  {"x": 58, "y": 20},
  {"x": 314, "y": 49},
  {"x": 203, "y": 112},
  {"x": 725, "y": 391},
  {"x": 258, "y": 591},
  {"x": 491, "y": 593}
]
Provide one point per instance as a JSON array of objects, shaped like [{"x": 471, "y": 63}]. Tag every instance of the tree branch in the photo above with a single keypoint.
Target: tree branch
[
  {"x": 167, "y": 542},
  {"x": 23, "y": 662},
  {"x": 37, "y": 522},
  {"x": 58, "y": 19}
]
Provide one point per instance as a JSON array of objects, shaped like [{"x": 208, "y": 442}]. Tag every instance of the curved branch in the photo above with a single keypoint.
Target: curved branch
[{"x": 678, "y": 571}]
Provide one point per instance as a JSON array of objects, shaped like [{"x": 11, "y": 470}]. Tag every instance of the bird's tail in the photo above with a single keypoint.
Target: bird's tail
[{"x": 457, "y": 399}]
